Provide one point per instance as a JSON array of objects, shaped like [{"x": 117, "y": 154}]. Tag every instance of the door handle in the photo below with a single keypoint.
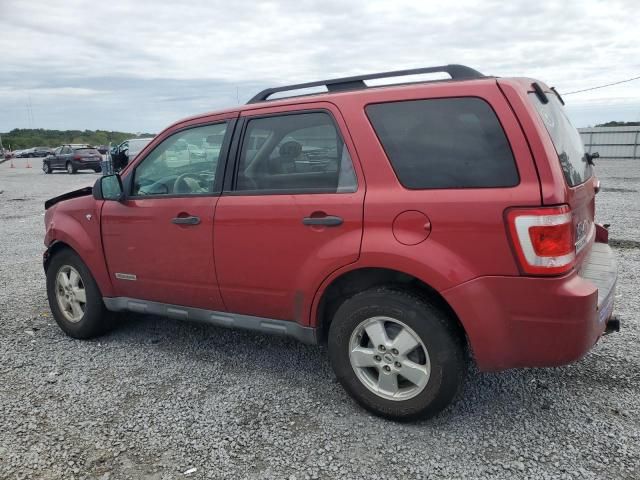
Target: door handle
[
  {"x": 186, "y": 220},
  {"x": 327, "y": 221}
]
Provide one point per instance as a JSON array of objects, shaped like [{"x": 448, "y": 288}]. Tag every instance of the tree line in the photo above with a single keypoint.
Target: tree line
[
  {"x": 619, "y": 124},
  {"x": 21, "y": 138}
]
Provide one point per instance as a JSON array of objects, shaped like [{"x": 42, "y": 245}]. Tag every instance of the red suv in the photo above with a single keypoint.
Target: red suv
[{"x": 407, "y": 226}]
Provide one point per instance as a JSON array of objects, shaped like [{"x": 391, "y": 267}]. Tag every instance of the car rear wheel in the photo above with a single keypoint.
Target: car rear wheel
[
  {"x": 74, "y": 297},
  {"x": 396, "y": 353},
  {"x": 70, "y": 168},
  {"x": 46, "y": 168}
]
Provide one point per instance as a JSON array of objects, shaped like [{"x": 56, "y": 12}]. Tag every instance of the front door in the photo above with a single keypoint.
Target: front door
[
  {"x": 158, "y": 242},
  {"x": 65, "y": 156},
  {"x": 54, "y": 159},
  {"x": 292, "y": 213}
]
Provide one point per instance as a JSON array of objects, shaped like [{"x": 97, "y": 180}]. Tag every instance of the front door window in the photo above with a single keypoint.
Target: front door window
[{"x": 183, "y": 164}]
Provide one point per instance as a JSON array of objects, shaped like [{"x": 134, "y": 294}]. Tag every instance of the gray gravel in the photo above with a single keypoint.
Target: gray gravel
[{"x": 160, "y": 399}]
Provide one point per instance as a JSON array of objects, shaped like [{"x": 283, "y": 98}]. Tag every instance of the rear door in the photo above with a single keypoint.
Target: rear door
[{"x": 291, "y": 212}]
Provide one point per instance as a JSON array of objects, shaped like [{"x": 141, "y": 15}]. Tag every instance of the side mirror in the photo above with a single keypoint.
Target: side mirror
[{"x": 108, "y": 187}]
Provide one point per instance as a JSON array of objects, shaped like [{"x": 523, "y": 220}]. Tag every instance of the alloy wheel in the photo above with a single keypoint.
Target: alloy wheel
[
  {"x": 389, "y": 358},
  {"x": 71, "y": 293}
]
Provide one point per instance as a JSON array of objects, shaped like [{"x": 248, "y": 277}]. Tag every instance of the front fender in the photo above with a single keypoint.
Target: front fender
[{"x": 76, "y": 223}]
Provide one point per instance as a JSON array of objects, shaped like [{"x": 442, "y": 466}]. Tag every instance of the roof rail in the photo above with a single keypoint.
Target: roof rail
[{"x": 457, "y": 72}]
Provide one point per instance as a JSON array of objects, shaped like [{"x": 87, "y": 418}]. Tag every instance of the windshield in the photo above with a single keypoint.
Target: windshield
[
  {"x": 136, "y": 145},
  {"x": 565, "y": 138}
]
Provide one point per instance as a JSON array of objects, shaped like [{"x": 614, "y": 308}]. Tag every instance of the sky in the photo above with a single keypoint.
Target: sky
[{"x": 139, "y": 65}]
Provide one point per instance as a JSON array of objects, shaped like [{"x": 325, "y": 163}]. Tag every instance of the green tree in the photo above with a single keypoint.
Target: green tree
[{"x": 21, "y": 138}]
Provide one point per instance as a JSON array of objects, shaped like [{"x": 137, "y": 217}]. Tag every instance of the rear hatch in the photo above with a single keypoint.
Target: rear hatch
[
  {"x": 576, "y": 168},
  {"x": 87, "y": 154}
]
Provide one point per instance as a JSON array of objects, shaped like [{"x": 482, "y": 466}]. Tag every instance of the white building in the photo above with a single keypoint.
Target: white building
[{"x": 612, "y": 142}]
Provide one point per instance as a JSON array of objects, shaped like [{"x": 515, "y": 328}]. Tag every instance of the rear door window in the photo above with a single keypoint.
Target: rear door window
[
  {"x": 566, "y": 140},
  {"x": 294, "y": 153},
  {"x": 444, "y": 143}
]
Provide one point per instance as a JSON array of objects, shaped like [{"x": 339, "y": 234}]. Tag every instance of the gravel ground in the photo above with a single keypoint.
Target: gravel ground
[{"x": 160, "y": 399}]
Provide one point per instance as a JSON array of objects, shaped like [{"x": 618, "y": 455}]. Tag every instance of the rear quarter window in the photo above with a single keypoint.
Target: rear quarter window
[{"x": 444, "y": 143}]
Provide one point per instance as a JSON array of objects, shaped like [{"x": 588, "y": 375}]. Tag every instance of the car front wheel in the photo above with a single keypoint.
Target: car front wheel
[
  {"x": 74, "y": 297},
  {"x": 397, "y": 354},
  {"x": 46, "y": 168}
]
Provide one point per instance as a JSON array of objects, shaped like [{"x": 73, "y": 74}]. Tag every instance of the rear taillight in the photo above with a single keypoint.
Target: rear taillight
[
  {"x": 543, "y": 239},
  {"x": 78, "y": 157}
]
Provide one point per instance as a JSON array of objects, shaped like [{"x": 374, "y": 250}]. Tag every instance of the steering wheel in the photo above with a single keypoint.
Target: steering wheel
[{"x": 181, "y": 186}]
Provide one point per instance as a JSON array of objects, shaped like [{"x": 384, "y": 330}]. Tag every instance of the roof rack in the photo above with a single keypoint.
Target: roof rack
[{"x": 457, "y": 72}]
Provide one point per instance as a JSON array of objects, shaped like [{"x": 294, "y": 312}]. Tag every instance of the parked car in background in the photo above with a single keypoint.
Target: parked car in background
[
  {"x": 475, "y": 238},
  {"x": 122, "y": 154},
  {"x": 41, "y": 151},
  {"x": 26, "y": 153},
  {"x": 73, "y": 158},
  {"x": 103, "y": 149}
]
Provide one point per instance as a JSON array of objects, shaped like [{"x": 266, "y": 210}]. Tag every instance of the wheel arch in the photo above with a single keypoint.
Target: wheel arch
[
  {"x": 97, "y": 270},
  {"x": 347, "y": 284}
]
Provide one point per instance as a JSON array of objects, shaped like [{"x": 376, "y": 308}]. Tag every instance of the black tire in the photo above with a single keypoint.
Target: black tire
[
  {"x": 46, "y": 168},
  {"x": 439, "y": 333},
  {"x": 71, "y": 169},
  {"x": 96, "y": 319}
]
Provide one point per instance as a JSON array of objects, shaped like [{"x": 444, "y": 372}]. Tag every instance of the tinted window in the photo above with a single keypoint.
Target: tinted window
[
  {"x": 87, "y": 151},
  {"x": 566, "y": 140},
  {"x": 295, "y": 153},
  {"x": 183, "y": 164},
  {"x": 444, "y": 143}
]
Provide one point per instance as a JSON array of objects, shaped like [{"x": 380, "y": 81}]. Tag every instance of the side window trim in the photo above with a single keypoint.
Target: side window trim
[
  {"x": 231, "y": 173},
  {"x": 128, "y": 183}
]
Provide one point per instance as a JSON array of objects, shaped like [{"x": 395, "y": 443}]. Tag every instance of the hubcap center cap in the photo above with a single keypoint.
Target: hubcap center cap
[{"x": 388, "y": 358}]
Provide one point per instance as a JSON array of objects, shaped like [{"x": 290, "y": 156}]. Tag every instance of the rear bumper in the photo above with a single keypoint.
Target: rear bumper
[
  {"x": 92, "y": 164},
  {"x": 537, "y": 322}
]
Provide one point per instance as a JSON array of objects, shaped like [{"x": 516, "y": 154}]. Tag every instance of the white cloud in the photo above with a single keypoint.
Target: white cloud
[{"x": 164, "y": 60}]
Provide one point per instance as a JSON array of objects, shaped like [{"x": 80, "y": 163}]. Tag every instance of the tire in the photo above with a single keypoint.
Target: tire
[
  {"x": 93, "y": 319},
  {"x": 71, "y": 170},
  {"x": 46, "y": 168},
  {"x": 437, "y": 364}
]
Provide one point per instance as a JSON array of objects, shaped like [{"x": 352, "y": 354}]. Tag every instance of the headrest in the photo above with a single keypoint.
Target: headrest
[{"x": 290, "y": 149}]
